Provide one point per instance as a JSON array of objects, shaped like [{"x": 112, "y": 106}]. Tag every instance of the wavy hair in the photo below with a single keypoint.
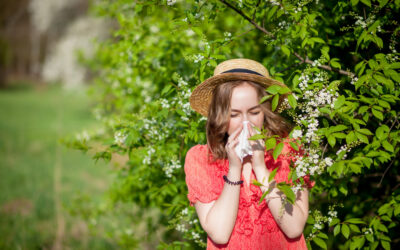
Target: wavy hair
[{"x": 219, "y": 115}]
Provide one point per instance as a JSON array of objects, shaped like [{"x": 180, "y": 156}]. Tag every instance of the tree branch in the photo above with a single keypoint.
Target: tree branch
[
  {"x": 302, "y": 60},
  {"x": 386, "y": 170}
]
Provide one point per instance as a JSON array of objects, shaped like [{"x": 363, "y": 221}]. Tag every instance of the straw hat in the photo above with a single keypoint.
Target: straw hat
[{"x": 230, "y": 70}]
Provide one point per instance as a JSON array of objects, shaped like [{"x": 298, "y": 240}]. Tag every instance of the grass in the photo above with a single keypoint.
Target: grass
[{"x": 39, "y": 176}]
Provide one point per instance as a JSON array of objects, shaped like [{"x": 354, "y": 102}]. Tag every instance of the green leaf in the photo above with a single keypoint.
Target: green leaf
[
  {"x": 365, "y": 131},
  {"x": 336, "y": 230},
  {"x": 166, "y": 89},
  {"x": 284, "y": 90},
  {"x": 275, "y": 102},
  {"x": 345, "y": 231},
  {"x": 256, "y": 183},
  {"x": 351, "y": 137},
  {"x": 340, "y": 101},
  {"x": 369, "y": 237},
  {"x": 292, "y": 101},
  {"x": 257, "y": 137},
  {"x": 320, "y": 242},
  {"x": 285, "y": 50},
  {"x": 366, "y": 2},
  {"x": 272, "y": 11},
  {"x": 358, "y": 242},
  {"x": 354, "y": 2},
  {"x": 362, "y": 137},
  {"x": 355, "y": 221},
  {"x": 354, "y": 228},
  {"x": 263, "y": 196},
  {"x": 386, "y": 145},
  {"x": 343, "y": 189},
  {"x": 382, "y": 3},
  {"x": 270, "y": 143},
  {"x": 382, "y": 132},
  {"x": 325, "y": 52},
  {"x": 264, "y": 98},
  {"x": 294, "y": 146},
  {"x": 277, "y": 150},
  {"x": 273, "y": 89},
  {"x": 395, "y": 65},
  {"x": 384, "y": 104},
  {"x": 331, "y": 140},
  {"x": 385, "y": 245},
  {"x": 317, "y": 40},
  {"x": 377, "y": 114},
  {"x": 272, "y": 174},
  {"x": 335, "y": 64},
  {"x": 287, "y": 191},
  {"x": 322, "y": 236},
  {"x": 337, "y": 128}
]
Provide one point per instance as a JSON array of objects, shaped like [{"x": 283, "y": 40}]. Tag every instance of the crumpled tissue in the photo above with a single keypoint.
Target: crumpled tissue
[{"x": 243, "y": 148}]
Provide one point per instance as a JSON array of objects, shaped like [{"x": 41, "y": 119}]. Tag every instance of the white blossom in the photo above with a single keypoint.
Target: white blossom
[
  {"x": 297, "y": 134},
  {"x": 169, "y": 169},
  {"x": 328, "y": 161},
  {"x": 120, "y": 137},
  {"x": 198, "y": 58},
  {"x": 171, "y": 2},
  {"x": 83, "y": 136}
]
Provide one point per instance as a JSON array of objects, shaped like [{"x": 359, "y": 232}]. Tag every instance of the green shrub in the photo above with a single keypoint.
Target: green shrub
[{"x": 338, "y": 57}]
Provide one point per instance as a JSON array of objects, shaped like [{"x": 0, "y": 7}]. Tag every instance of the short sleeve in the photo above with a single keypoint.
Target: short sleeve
[
  {"x": 200, "y": 176},
  {"x": 288, "y": 155}
]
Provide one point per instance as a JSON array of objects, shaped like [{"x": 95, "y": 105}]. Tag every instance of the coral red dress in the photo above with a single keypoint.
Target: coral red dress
[{"x": 255, "y": 227}]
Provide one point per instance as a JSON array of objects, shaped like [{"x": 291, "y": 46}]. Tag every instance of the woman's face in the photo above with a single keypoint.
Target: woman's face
[{"x": 245, "y": 107}]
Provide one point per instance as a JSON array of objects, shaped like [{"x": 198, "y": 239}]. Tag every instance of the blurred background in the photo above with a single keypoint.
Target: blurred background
[{"x": 43, "y": 85}]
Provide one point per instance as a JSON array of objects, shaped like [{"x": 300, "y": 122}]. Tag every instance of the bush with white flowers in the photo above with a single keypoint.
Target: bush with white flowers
[{"x": 339, "y": 59}]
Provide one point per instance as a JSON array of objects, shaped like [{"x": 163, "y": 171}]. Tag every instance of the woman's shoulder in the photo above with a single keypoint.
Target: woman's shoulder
[
  {"x": 198, "y": 154},
  {"x": 198, "y": 149}
]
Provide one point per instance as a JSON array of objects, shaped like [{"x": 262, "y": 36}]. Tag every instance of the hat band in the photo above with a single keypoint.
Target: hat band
[{"x": 239, "y": 70}]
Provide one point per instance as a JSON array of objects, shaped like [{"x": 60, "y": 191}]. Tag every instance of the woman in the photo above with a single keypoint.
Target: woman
[{"x": 221, "y": 185}]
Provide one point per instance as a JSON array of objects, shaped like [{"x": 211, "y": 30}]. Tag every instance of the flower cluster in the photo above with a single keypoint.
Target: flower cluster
[
  {"x": 147, "y": 158},
  {"x": 152, "y": 130},
  {"x": 197, "y": 58},
  {"x": 342, "y": 152},
  {"x": 320, "y": 219},
  {"x": 120, "y": 137},
  {"x": 188, "y": 227},
  {"x": 354, "y": 79},
  {"x": 274, "y": 2},
  {"x": 83, "y": 136},
  {"x": 169, "y": 169},
  {"x": 312, "y": 163},
  {"x": 228, "y": 36},
  {"x": 171, "y": 2},
  {"x": 364, "y": 23}
]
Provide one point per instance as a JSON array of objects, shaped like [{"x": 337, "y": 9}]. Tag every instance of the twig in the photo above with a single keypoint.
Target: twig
[
  {"x": 323, "y": 152},
  {"x": 302, "y": 60},
  {"x": 247, "y": 18},
  {"x": 386, "y": 170}
]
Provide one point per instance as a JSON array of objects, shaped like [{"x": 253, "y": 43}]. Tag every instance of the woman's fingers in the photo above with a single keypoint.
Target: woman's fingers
[{"x": 235, "y": 134}]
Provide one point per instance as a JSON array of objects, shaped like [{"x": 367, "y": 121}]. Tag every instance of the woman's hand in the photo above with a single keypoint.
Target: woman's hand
[
  {"x": 258, "y": 147},
  {"x": 233, "y": 158}
]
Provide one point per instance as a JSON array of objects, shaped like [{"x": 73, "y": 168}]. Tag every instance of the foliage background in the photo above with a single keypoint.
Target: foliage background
[{"x": 340, "y": 60}]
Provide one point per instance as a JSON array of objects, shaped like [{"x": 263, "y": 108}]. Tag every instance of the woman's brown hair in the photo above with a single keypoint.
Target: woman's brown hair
[{"x": 219, "y": 115}]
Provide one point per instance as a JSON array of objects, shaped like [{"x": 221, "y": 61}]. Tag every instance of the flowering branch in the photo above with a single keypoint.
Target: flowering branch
[{"x": 302, "y": 60}]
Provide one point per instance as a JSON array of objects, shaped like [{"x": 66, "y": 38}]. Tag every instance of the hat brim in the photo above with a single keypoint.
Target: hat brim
[{"x": 201, "y": 96}]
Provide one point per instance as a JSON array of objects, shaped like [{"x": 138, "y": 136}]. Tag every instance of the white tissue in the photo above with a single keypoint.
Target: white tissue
[{"x": 243, "y": 148}]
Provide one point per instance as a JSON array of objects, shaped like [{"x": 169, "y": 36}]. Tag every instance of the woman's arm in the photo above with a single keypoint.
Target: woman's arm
[
  {"x": 294, "y": 216},
  {"x": 218, "y": 217}
]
